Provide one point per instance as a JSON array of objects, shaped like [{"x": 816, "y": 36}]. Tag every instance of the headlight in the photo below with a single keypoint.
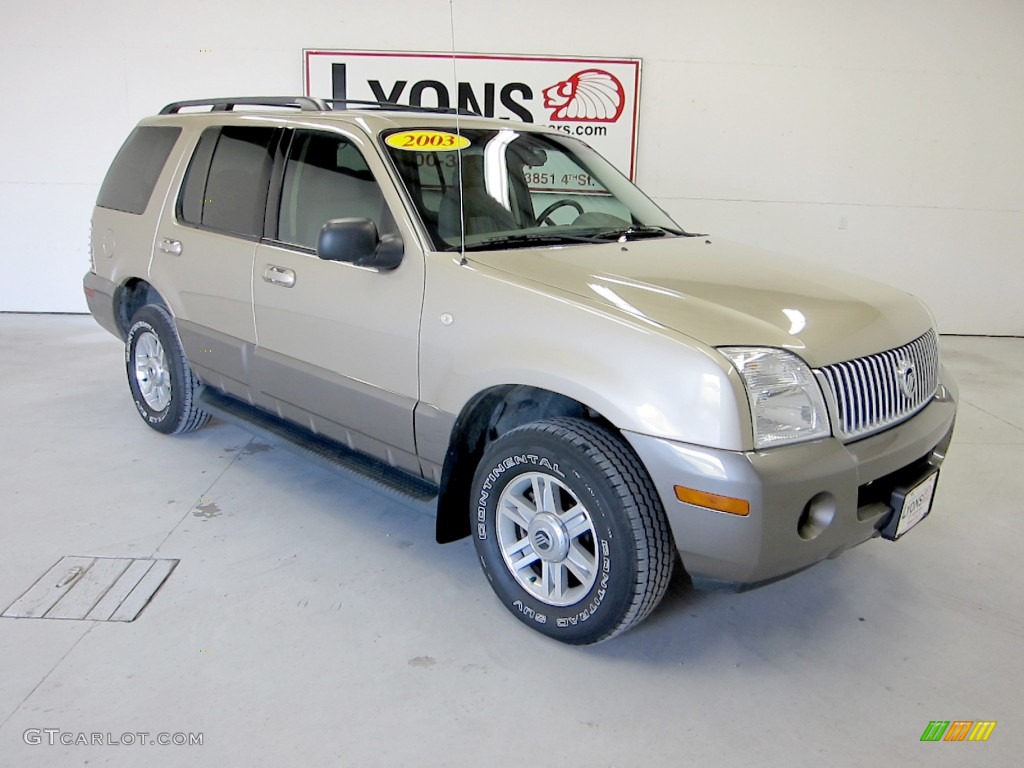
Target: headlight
[{"x": 786, "y": 404}]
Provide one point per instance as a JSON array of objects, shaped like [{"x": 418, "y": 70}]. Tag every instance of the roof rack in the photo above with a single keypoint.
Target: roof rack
[
  {"x": 304, "y": 103},
  {"x": 390, "y": 105}
]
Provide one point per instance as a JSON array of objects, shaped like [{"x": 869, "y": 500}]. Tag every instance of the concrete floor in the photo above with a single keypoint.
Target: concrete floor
[{"x": 314, "y": 622}]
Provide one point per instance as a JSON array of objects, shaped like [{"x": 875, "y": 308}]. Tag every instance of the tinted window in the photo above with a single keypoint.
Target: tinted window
[
  {"x": 193, "y": 190},
  {"x": 326, "y": 178},
  {"x": 129, "y": 182},
  {"x": 232, "y": 195}
]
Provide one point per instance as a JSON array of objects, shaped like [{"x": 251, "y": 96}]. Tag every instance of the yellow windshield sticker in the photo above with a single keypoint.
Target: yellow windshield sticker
[{"x": 426, "y": 141}]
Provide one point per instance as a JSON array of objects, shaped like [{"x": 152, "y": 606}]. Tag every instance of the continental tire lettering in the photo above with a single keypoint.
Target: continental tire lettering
[
  {"x": 529, "y": 613},
  {"x": 503, "y": 466},
  {"x": 481, "y": 512},
  {"x": 602, "y": 590}
]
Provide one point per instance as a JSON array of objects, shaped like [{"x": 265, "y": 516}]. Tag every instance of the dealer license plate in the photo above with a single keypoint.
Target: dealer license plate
[{"x": 911, "y": 506}]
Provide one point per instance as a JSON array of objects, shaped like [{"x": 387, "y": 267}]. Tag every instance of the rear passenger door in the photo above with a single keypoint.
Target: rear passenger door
[
  {"x": 205, "y": 246},
  {"x": 337, "y": 344}
]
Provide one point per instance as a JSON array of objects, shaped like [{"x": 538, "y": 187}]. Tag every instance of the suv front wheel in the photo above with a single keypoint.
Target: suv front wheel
[
  {"x": 570, "y": 530},
  {"x": 164, "y": 388}
]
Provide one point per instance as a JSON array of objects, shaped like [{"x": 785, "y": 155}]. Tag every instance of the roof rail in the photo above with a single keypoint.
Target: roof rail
[
  {"x": 305, "y": 103},
  {"x": 400, "y": 107}
]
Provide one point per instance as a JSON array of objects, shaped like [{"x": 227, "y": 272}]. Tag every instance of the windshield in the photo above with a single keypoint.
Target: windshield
[{"x": 519, "y": 189}]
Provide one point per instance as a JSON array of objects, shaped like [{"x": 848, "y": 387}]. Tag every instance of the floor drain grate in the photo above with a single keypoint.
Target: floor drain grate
[{"x": 93, "y": 588}]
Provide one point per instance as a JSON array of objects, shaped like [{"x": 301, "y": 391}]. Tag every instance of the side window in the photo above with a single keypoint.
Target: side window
[
  {"x": 193, "y": 189},
  {"x": 326, "y": 178},
  {"x": 129, "y": 183},
  {"x": 226, "y": 183}
]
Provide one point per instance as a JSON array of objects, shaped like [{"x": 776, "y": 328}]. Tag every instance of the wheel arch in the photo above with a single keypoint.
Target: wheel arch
[
  {"x": 131, "y": 295},
  {"x": 485, "y": 417}
]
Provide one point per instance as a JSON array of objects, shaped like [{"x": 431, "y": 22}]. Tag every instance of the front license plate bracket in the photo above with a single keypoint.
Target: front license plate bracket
[{"x": 911, "y": 504}]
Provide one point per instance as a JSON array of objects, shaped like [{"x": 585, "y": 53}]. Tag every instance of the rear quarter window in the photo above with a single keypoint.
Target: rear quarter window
[{"x": 129, "y": 183}]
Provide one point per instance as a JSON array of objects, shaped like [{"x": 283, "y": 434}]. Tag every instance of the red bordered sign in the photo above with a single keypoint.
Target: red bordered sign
[{"x": 594, "y": 99}]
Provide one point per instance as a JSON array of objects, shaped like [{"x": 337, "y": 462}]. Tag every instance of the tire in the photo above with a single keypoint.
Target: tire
[
  {"x": 164, "y": 388},
  {"x": 596, "y": 555}
]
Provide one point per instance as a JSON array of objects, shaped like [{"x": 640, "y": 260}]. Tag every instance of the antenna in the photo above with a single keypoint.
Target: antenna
[{"x": 458, "y": 132}]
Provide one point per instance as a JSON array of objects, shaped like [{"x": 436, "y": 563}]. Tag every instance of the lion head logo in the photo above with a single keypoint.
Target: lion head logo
[{"x": 592, "y": 95}]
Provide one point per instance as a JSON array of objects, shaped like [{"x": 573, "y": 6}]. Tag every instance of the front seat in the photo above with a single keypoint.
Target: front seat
[{"x": 482, "y": 213}]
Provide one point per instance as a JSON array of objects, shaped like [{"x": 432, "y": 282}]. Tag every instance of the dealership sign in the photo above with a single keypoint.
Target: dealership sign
[{"x": 596, "y": 100}]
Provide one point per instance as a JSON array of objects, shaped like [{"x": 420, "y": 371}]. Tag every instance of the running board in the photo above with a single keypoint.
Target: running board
[{"x": 321, "y": 450}]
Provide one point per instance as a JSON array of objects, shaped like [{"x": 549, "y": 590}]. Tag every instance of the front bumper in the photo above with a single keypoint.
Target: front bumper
[{"x": 726, "y": 551}]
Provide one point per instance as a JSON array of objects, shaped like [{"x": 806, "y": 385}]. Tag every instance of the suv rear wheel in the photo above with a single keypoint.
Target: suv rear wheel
[
  {"x": 163, "y": 385},
  {"x": 570, "y": 530}
]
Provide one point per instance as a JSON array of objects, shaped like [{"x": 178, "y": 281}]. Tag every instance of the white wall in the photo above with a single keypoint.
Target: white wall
[{"x": 882, "y": 136}]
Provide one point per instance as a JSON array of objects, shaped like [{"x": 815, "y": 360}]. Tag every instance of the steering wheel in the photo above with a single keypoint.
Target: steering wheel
[{"x": 542, "y": 217}]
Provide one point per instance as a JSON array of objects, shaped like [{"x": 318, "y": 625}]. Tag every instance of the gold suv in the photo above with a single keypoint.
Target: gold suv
[{"x": 488, "y": 314}]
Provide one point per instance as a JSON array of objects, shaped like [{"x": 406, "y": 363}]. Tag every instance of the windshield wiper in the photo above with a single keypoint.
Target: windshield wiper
[
  {"x": 526, "y": 240},
  {"x": 636, "y": 232},
  {"x": 531, "y": 239}
]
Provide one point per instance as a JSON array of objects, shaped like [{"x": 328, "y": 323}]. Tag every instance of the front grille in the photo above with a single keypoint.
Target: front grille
[{"x": 874, "y": 392}]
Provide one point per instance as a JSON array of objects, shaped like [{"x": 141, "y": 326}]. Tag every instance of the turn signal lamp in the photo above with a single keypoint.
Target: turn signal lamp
[{"x": 713, "y": 501}]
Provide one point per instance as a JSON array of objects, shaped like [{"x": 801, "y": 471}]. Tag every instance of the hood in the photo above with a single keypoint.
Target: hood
[{"x": 722, "y": 293}]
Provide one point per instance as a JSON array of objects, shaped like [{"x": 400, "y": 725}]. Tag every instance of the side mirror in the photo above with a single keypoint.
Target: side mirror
[{"x": 356, "y": 241}]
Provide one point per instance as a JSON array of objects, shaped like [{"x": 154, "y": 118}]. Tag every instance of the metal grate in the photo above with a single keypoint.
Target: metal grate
[
  {"x": 93, "y": 588},
  {"x": 875, "y": 392}
]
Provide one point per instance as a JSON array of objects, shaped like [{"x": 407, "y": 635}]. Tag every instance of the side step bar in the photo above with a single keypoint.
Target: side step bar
[{"x": 323, "y": 451}]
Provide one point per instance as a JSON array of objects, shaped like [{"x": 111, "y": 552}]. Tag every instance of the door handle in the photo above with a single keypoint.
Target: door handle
[
  {"x": 172, "y": 247},
  {"x": 279, "y": 276}
]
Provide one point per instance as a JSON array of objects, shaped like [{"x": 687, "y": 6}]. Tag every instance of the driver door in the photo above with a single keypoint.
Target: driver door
[{"x": 336, "y": 344}]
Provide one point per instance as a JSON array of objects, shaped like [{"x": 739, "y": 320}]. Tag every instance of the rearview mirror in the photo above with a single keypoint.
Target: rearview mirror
[
  {"x": 531, "y": 156},
  {"x": 357, "y": 242}
]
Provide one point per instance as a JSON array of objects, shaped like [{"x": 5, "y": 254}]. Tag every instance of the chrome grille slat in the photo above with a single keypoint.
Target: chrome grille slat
[
  {"x": 844, "y": 393},
  {"x": 856, "y": 396},
  {"x": 880, "y": 386},
  {"x": 870, "y": 390},
  {"x": 848, "y": 395},
  {"x": 868, "y": 393},
  {"x": 883, "y": 370},
  {"x": 893, "y": 400},
  {"x": 859, "y": 405},
  {"x": 864, "y": 390}
]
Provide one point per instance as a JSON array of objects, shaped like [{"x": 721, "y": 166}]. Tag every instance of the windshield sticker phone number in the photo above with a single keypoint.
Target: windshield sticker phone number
[{"x": 450, "y": 160}]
